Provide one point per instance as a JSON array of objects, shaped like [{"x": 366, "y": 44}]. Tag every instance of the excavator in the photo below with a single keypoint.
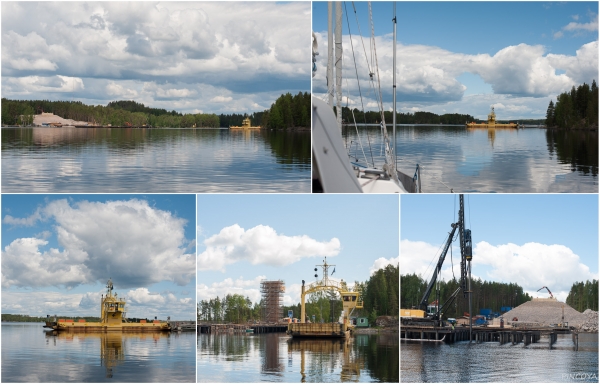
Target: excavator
[
  {"x": 551, "y": 295},
  {"x": 431, "y": 315}
]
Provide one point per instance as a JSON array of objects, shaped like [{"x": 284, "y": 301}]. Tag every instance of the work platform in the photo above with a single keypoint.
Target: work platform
[
  {"x": 481, "y": 334},
  {"x": 241, "y": 328}
]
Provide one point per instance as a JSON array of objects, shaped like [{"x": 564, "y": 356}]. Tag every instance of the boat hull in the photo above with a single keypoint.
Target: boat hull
[
  {"x": 318, "y": 330},
  {"x": 99, "y": 327},
  {"x": 511, "y": 125}
]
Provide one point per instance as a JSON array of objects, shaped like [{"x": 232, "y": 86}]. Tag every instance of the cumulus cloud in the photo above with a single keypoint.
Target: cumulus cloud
[
  {"x": 41, "y": 304},
  {"x": 221, "y": 99},
  {"x": 247, "y": 288},
  {"x": 130, "y": 241},
  {"x": 555, "y": 266},
  {"x": 382, "y": 262},
  {"x": 242, "y": 49},
  {"x": 118, "y": 90},
  {"x": 261, "y": 245},
  {"x": 429, "y": 75},
  {"x": 577, "y": 27},
  {"x": 420, "y": 258}
]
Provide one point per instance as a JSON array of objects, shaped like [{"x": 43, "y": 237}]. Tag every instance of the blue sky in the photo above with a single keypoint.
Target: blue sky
[
  {"x": 59, "y": 250},
  {"x": 211, "y": 57},
  {"x": 448, "y": 62},
  {"x": 285, "y": 236},
  {"x": 546, "y": 240}
]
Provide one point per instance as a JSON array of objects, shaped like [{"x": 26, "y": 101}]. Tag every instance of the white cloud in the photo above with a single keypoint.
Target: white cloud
[
  {"x": 429, "y": 75},
  {"x": 229, "y": 286},
  {"x": 120, "y": 46},
  {"x": 130, "y": 241},
  {"x": 118, "y": 90},
  {"x": 382, "y": 262},
  {"x": 421, "y": 258},
  {"x": 260, "y": 245},
  {"x": 140, "y": 303},
  {"x": 221, "y": 99},
  {"x": 590, "y": 27},
  {"x": 533, "y": 265}
]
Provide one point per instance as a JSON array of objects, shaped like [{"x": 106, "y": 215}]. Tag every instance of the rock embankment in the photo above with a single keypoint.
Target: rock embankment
[{"x": 591, "y": 321}]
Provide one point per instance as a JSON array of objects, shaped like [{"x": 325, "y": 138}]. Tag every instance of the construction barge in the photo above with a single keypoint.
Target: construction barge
[
  {"x": 350, "y": 301},
  {"x": 491, "y": 123},
  {"x": 112, "y": 319},
  {"x": 246, "y": 124}
]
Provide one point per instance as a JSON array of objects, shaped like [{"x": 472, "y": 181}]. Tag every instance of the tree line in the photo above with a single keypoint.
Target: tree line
[
  {"x": 584, "y": 296},
  {"x": 35, "y": 319},
  {"x": 486, "y": 294},
  {"x": 575, "y": 109},
  {"x": 374, "y": 117},
  {"x": 379, "y": 293},
  {"x": 287, "y": 112},
  {"x": 229, "y": 309}
]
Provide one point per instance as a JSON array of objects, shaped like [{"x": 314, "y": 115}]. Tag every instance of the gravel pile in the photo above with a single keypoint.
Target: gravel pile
[
  {"x": 546, "y": 312},
  {"x": 591, "y": 321},
  {"x": 387, "y": 321},
  {"x": 52, "y": 118}
]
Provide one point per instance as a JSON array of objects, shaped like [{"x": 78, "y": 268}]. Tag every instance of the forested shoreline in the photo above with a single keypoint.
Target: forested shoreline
[
  {"x": 380, "y": 295},
  {"x": 286, "y": 112},
  {"x": 486, "y": 294},
  {"x": 489, "y": 294},
  {"x": 374, "y": 117},
  {"x": 584, "y": 295},
  {"x": 577, "y": 109}
]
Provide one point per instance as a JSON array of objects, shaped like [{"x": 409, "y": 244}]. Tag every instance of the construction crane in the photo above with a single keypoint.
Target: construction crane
[
  {"x": 551, "y": 295},
  {"x": 434, "y": 316}
]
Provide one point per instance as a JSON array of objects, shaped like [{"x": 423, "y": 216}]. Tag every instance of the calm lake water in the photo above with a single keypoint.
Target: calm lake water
[
  {"x": 231, "y": 358},
  {"x": 491, "y": 160},
  {"x": 154, "y": 160},
  {"x": 490, "y": 362},
  {"x": 31, "y": 355}
]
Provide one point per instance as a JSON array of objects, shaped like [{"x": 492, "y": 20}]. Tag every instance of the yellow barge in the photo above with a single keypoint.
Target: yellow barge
[
  {"x": 246, "y": 124},
  {"x": 112, "y": 319},
  {"x": 350, "y": 300},
  {"x": 491, "y": 123}
]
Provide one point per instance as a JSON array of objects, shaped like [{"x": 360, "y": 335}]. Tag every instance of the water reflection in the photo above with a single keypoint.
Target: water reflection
[
  {"x": 154, "y": 160},
  {"x": 113, "y": 349},
  {"x": 490, "y": 160},
  {"x": 322, "y": 357},
  {"x": 262, "y": 357},
  {"x": 577, "y": 148}
]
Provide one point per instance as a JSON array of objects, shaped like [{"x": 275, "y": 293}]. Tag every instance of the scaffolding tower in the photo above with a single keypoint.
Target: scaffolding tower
[{"x": 272, "y": 299}]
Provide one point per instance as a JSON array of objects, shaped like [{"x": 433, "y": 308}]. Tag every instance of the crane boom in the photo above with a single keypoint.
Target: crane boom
[
  {"x": 466, "y": 253},
  {"x": 551, "y": 295},
  {"x": 425, "y": 300}
]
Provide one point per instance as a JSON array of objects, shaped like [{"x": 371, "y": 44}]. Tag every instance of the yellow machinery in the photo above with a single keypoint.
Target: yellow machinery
[
  {"x": 246, "y": 124},
  {"x": 412, "y": 313},
  {"x": 350, "y": 301},
  {"x": 112, "y": 318},
  {"x": 491, "y": 123}
]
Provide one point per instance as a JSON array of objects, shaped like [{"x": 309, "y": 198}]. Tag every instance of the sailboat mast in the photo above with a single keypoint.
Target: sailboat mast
[
  {"x": 329, "y": 52},
  {"x": 338, "y": 61},
  {"x": 394, "y": 98}
]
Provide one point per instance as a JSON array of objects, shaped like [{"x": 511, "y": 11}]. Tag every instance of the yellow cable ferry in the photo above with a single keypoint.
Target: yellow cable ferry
[
  {"x": 491, "y": 123},
  {"x": 112, "y": 319},
  {"x": 246, "y": 124}
]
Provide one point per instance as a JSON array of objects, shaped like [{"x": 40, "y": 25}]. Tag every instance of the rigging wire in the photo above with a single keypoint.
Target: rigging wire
[{"x": 358, "y": 81}]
